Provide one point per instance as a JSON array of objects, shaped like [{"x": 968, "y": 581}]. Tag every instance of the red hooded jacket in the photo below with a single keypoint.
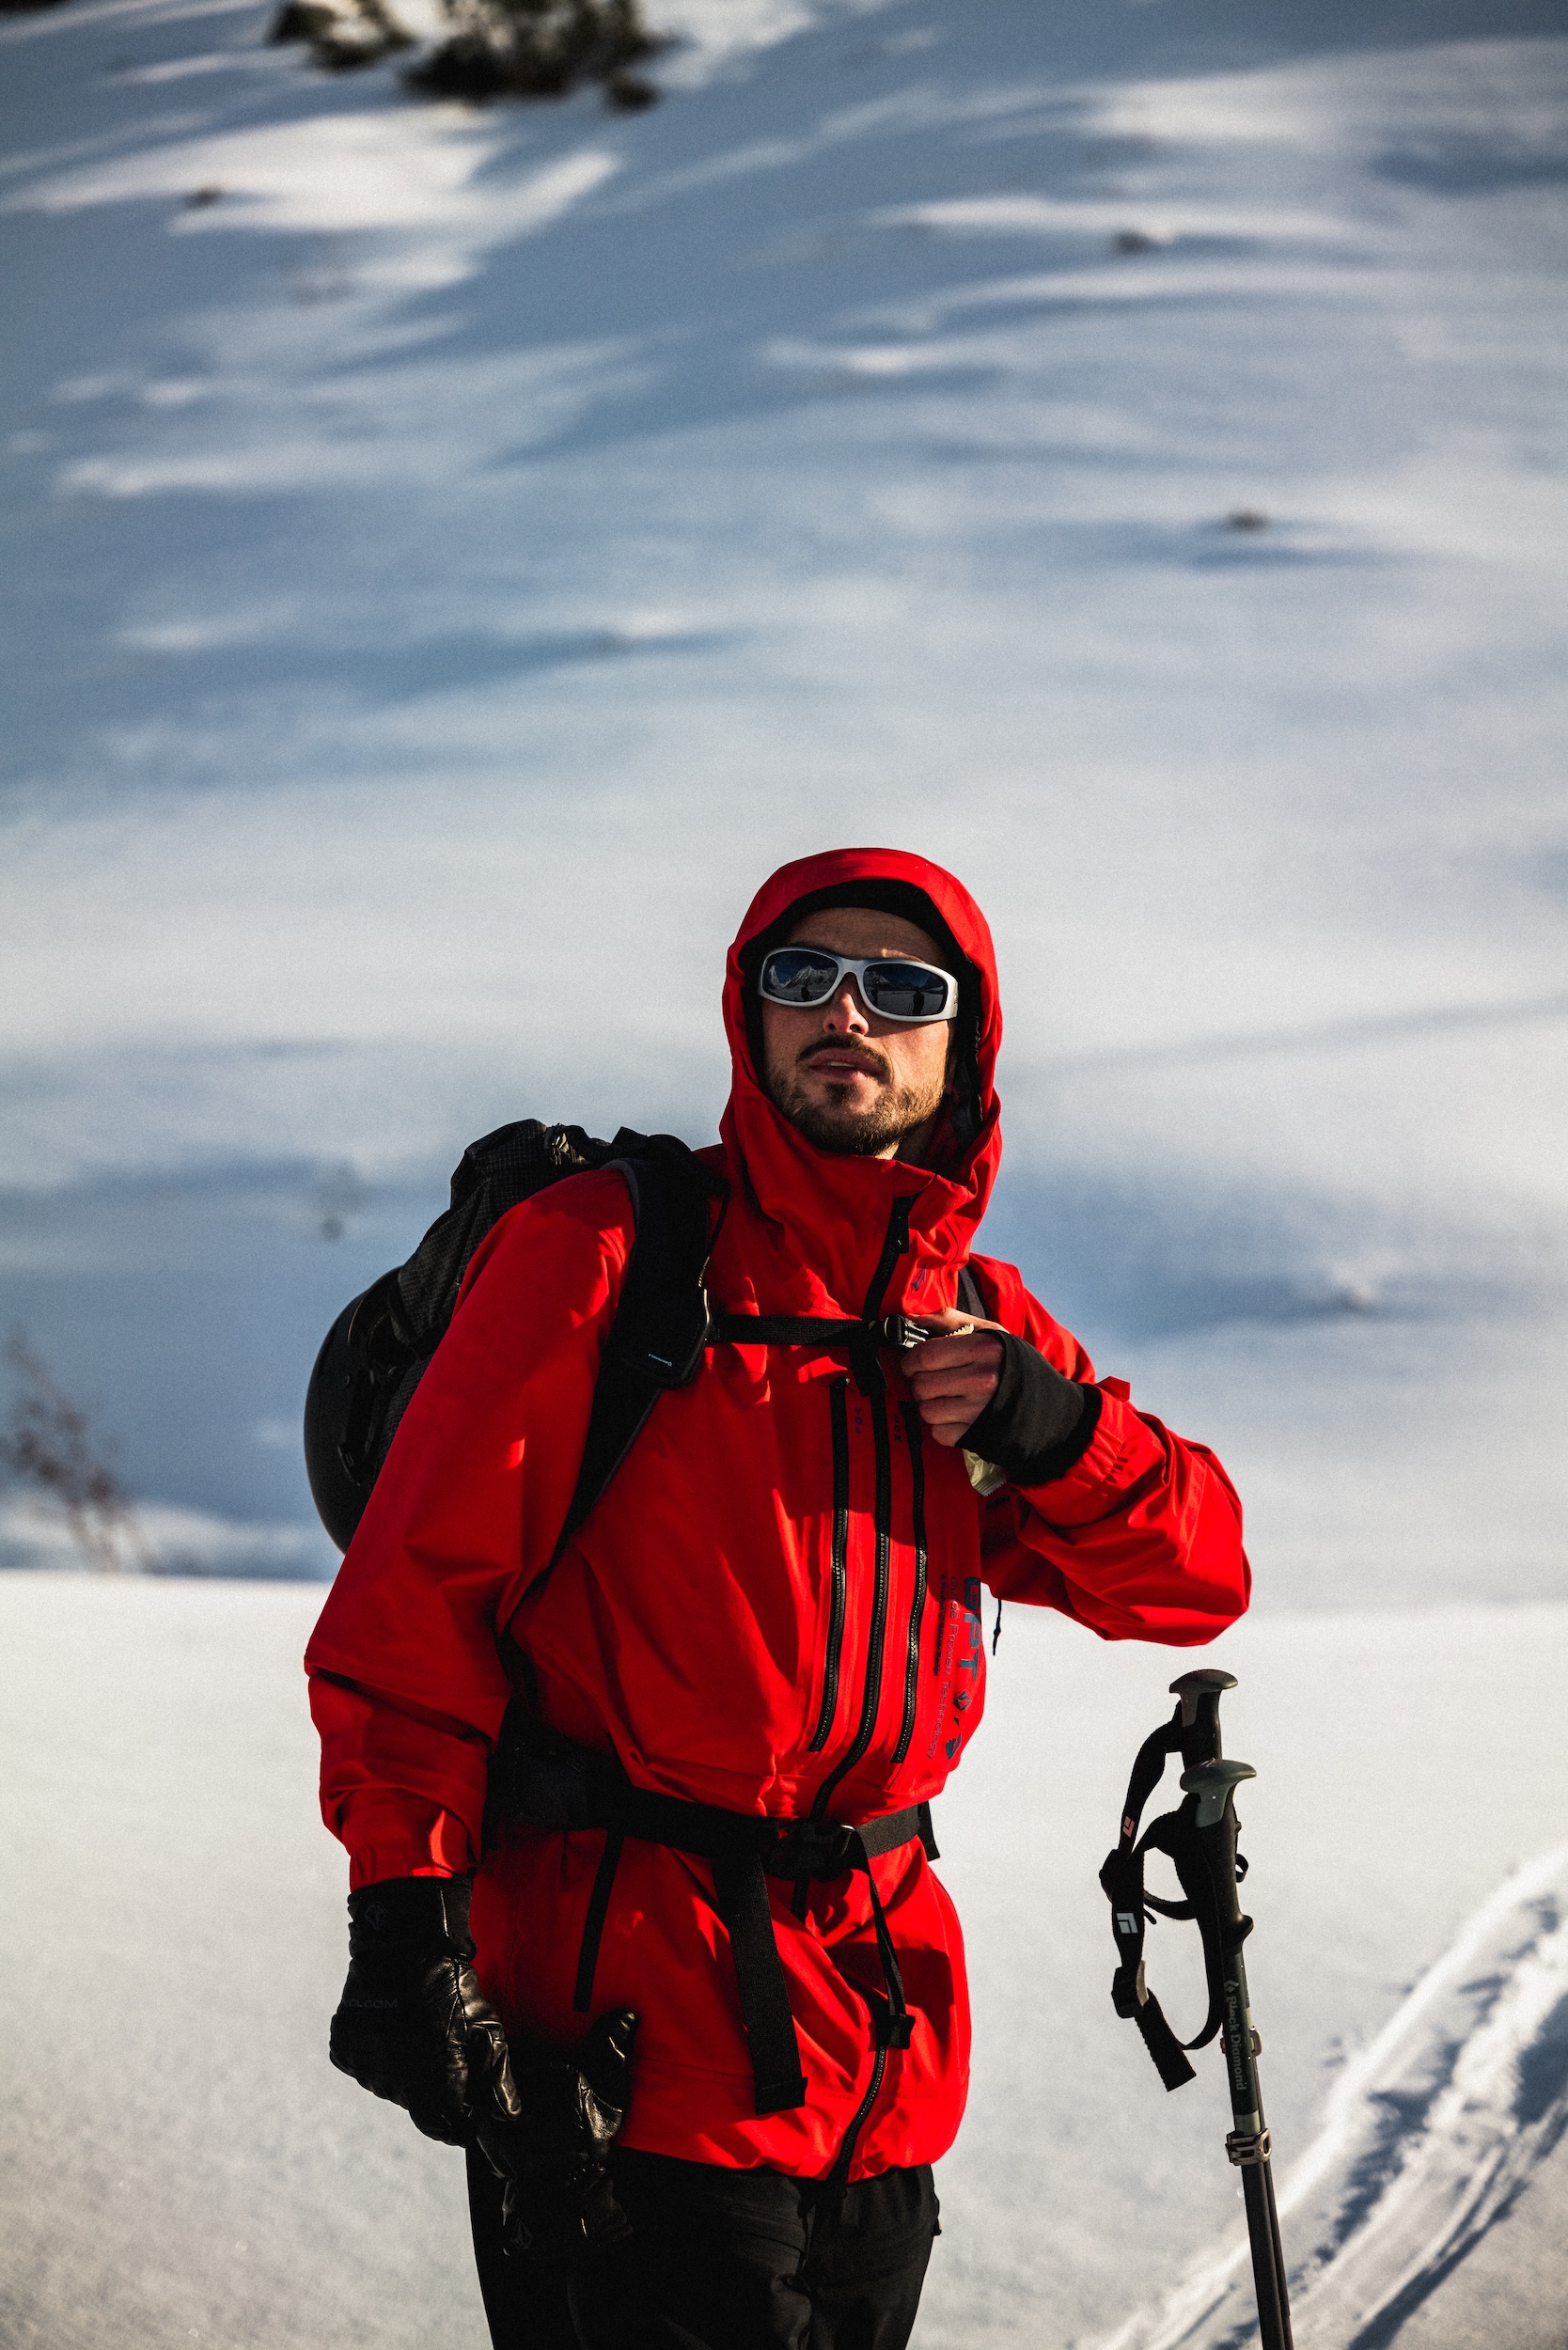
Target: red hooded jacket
[{"x": 718, "y": 1622}]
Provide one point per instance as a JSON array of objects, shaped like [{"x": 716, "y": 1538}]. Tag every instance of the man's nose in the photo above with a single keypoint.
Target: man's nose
[{"x": 846, "y": 1015}]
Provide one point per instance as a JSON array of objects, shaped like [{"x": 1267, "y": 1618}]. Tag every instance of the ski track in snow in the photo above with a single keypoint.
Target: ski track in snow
[{"x": 1430, "y": 2138}]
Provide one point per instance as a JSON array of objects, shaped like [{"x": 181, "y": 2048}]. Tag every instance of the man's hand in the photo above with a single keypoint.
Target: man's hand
[
  {"x": 953, "y": 1379},
  {"x": 554, "y": 2156},
  {"x": 997, "y": 1395},
  {"x": 413, "y": 2023}
]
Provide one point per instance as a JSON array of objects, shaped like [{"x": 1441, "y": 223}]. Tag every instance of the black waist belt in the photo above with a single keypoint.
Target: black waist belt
[{"x": 539, "y": 1777}]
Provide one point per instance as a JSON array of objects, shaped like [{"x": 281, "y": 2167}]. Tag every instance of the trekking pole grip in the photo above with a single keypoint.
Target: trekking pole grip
[
  {"x": 1200, "y": 1693},
  {"x": 1211, "y": 1788},
  {"x": 1214, "y": 1783}
]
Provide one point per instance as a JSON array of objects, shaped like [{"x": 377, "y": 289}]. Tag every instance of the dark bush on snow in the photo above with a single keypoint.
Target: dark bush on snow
[
  {"x": 342, "y": 33},
  {"x": 539, "y": 49}
]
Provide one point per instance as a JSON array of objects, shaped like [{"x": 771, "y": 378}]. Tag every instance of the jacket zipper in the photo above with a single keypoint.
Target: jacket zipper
[
  {"x": 840, "y": 2171},
  {"x": 894, "y": 1245},
  {"x": 917, "y": 1606},
  {"x": 871, "y": 1694},
  {"x": 839, "y": 1402}
]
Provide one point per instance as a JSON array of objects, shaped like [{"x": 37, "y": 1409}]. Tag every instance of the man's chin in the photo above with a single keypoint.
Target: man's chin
[
  {"x": 860, "y": 1138},
  {"x": 857, "y": 1132}
]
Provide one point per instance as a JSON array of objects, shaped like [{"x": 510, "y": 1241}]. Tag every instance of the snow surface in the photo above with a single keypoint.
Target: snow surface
[
  {"x": 177, "y": 2160},
  {"x": 445, "y": 571}
]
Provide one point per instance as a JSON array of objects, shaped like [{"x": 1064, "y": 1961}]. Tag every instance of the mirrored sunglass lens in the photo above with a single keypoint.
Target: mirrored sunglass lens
[
  {"x": 906, "y": 991},
  {"x": 794, "y": 976}
]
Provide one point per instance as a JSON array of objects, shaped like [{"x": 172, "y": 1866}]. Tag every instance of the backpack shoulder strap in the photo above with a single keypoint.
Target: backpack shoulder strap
[
  {"x": 492, "y": 1175},
  {"x": 660, "y": 1329},
  {"x": 376, "y": 1352}
]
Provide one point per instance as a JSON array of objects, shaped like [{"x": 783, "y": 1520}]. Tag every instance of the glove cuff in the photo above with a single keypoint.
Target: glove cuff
[
  {"x": 426, "y": 1915},
  {"x": 1038, "y": 1422}
]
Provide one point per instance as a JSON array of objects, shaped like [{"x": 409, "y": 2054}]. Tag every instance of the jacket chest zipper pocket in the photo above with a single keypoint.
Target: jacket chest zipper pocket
[
  {"x": 839, "y": 1591},
  {"x": 910, "y": 1414},
  {"x": 877, "y": 1633}
]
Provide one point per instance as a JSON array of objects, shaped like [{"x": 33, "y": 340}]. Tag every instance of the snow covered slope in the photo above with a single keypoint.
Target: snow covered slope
[
  {"x": 445, "y": 567},
  {"x": 449, "y": 562},
  {"x": 178, "y": 2162}
]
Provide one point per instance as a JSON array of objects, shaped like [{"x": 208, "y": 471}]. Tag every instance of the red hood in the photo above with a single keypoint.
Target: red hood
[{"x": 814, "y": 1221}]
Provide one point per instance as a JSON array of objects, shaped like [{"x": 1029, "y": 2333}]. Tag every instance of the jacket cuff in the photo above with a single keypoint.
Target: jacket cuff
[
  {"x": 1123, "y": 1447},
  {"x": 388, "y": 1837},
  {"x": 1037, "y": 1423},
  {"x": 416, "y": 1916}
]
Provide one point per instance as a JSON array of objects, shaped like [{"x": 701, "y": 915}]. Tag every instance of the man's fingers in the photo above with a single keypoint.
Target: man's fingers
[
  {"x": 961, "y": 1379},
  {"x": 949, "y": 1401},
  {"x": 945, "y": 1415},
  {"x": 946, "y": 1425},
  {"x": 974, "y": 1371},
  {"x": 947, "y": 1432},
  {"x": 955, "y": 1375},
  {"x": 952, "y": 1411},
  {"x": 978, "y": 1347}
]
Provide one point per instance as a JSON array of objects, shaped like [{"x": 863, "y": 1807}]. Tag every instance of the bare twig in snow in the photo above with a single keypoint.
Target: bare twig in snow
[{"x": 46, "y": 1444}]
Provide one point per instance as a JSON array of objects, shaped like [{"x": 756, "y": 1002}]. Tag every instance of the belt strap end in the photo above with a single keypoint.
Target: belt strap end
[{"x": 781, "y": 2096}]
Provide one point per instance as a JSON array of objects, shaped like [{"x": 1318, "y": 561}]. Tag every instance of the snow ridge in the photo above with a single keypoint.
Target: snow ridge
[{"x": 1429, "y": 2137}]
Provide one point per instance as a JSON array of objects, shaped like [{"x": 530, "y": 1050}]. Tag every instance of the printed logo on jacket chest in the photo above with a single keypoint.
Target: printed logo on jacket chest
[{"x": 959, "y": 1666}]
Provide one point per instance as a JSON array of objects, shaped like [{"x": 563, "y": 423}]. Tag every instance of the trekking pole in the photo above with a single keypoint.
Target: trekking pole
[
  {"x": 1213, "y": 1783},
  {"x": 1200, "y": 1839}
]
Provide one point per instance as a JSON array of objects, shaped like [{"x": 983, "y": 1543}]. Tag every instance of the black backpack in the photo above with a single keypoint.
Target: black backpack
[{"x": 376, "y": 1352}]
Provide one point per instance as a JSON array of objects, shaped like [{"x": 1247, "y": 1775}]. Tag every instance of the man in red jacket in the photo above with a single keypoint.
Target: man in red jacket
[{"x": 766, "y": 1636}]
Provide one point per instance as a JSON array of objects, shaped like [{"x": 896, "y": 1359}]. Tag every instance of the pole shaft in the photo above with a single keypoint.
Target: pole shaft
[{"x": 1268, "y": 2272}]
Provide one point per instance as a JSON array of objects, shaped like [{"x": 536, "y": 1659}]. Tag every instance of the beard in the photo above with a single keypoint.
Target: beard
[{"x": 837, "y": 1124}]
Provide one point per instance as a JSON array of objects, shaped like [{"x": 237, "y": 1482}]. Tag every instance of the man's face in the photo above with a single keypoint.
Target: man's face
[{"x": 849, "y": 1080}]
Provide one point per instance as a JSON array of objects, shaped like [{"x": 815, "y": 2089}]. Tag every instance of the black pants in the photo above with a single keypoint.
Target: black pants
[{"x": 721, "y": 2260}]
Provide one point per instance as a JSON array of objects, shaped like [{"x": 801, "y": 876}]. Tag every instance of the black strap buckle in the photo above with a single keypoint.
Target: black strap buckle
[{"x": 813, "y": 1848}]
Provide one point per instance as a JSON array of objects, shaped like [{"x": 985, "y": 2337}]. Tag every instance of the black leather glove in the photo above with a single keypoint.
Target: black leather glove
[
  {"x": 413, "y": 2023},
  {"x": 1038, "y": 1422},
  {"x": 554, "y": 2156}
]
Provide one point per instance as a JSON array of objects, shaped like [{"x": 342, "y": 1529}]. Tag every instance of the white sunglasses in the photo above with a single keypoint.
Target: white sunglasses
[{"x": 892, "y": 986}]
